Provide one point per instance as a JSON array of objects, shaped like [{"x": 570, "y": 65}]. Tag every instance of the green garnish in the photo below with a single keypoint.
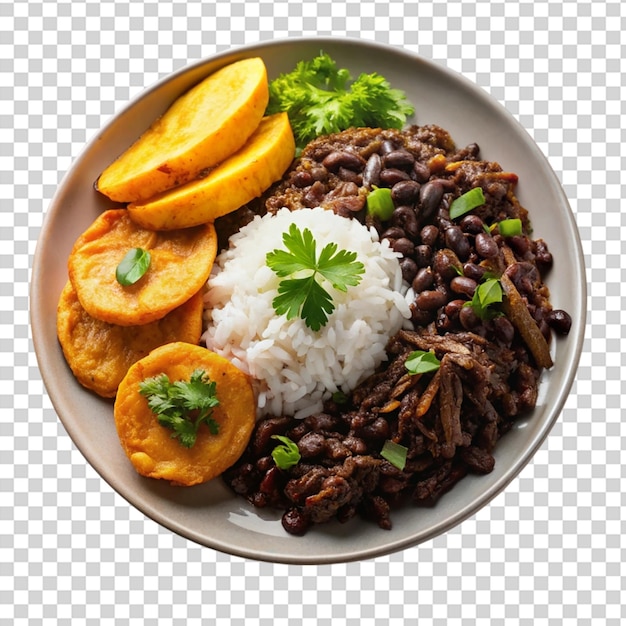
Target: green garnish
[
  {"x": 395, "y": 453},
  {"x": 465, "y": 203},
  {"x": 339, "y": 397},
  {"x": 133, "y": 266},
  {"x": 286, "y": 454},
  {"x": 182, "y": 406},
  {"x": 486, "y": 294},
  {"x": 302, "y": 294},
  {"x": 321, "y": 98},
  {"x": 422, "y": 362},
  {"x": 380, "y": 204},
  {"x": 510, "y": 227}
]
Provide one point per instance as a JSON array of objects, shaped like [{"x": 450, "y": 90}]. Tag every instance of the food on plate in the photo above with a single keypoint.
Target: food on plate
[
  {"x": 180, "y": 263},
  {"x": 377, "y": 317},
  {"x": 453, "y": 379},
  {"x": 151, "y": 446},
  {"x": 99, "y": 354},
  {"x": 322, "y": 98},
  {"x": 236, "y": 181},
  {"x": 201, "y": 128},
  {"x": 294, "y": 367}
]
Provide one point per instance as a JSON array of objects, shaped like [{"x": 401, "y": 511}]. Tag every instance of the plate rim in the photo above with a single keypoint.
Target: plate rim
[{"x": 557, "y": 404}]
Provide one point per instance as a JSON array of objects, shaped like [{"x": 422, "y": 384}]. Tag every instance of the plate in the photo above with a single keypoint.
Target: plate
[{"x": 210, "y": 514}]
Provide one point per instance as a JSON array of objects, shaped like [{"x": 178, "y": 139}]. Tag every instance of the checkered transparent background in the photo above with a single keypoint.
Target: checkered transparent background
[{"x": 549, "y": 550}]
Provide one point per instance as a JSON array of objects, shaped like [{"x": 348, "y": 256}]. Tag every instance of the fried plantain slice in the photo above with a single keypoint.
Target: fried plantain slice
[
  {"x": 99, "y": 354},
  {"x": 150, "y": 446},
  {"x": 180, "y": 265}
]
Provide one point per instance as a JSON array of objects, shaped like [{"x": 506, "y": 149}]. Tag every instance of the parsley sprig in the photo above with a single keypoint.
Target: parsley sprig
[
  {"x": 322, "y": 98},
  {"x": 301, "y": 292},
  {"x": 181, "y": 405}
]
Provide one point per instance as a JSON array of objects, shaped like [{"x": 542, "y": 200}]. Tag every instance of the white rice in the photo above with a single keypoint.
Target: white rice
[{"x": 296, "y": 369}]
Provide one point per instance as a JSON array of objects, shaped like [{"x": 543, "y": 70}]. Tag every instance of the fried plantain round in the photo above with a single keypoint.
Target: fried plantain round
[
  {"x": 99, "y": 354},
  {"x": 150, "y": 446},
  {"x": 180, "y": 264}
]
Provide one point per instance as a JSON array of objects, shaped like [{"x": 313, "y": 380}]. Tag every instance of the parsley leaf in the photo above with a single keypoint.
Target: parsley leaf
[
  {"x": 182, "y": 406},
  {"x": 302, "y": 294},
  {"x": 321, "y": 98}
]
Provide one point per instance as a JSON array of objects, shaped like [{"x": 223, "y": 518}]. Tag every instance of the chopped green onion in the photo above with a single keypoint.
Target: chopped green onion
[
  {"x": 339, "y": 397},
  {"x": 510, "y": 227},
  {"x": 395, "y": 453},
  {"x": 465, "y": 203},
  {"x": 133, "y": 266},
  {"x": 286, "y": 455},
  {"x": 421, "y": 362},
  {"x": 380, "y": 204}
]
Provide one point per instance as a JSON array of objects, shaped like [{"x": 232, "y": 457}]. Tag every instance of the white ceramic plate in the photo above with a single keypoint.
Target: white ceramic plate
[{"x": 210, "y": 514}]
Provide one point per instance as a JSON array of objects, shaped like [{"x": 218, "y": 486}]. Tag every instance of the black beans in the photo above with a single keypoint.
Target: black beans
[
  {"x": 431, "y": 299},
  {"x": 393, "y": 232},
  {"x": 423, "y": 255},
  {"x": 457, "y": 242},
  {"x": 409, "y": 269},
  {"x": 463, "y": 285},
  {"x": 446, "y": 264},
  {"x": 429, "y": 234},
  {"x": 341, "y": 158},
  {"x": 486, "y": 246},
  {"x": 400, "y": 159},
  {"x": 391, "y": 175},
  {"x": 468, "y": 318},
  {"x": 405, "y": 217},
  {"x": 371, "y": 172},
  {"x": 424, "y": 279},
  {"x": 295, "y": 522},
  {"x": 420, "y": 173},
  {"x": 404, "y": 246},
  {"x": 405, "y": 192},
  {"x": 504, "y": 330},
  {"x": 472, "y": 224},
  {"x": 431, "y": 195},
  {"x": 471, "y": 270},
  {"x": 560, "y": 321}
]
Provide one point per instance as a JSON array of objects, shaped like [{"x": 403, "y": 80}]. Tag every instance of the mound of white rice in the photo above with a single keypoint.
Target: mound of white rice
[{"x": 295, "y": 368}]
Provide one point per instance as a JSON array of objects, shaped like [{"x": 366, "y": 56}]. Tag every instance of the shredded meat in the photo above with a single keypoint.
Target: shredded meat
[{"x": 449, "y": 421}]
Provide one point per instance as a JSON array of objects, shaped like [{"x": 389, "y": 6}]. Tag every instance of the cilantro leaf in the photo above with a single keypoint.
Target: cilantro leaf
[
  {"x": 182, "y": 406},
  {"x": 321, "y": 98},
  {"x": 303, "y": 294}
]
